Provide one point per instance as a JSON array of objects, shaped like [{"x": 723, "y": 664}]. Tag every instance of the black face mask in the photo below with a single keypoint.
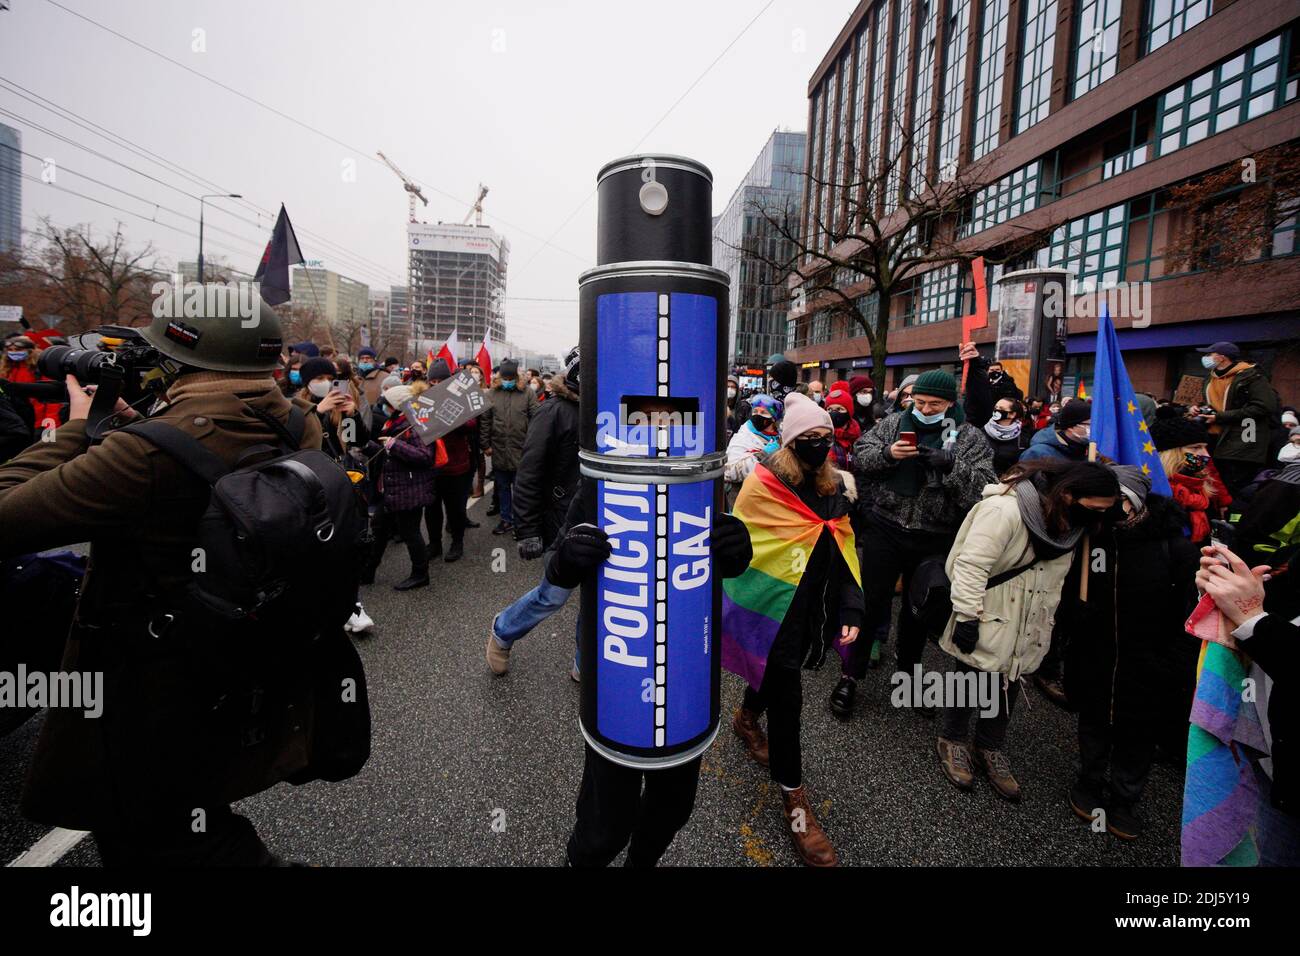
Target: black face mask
[
  {"x": 1081, "y": 517},
  {"x": 812, "y": 451},
  {"x": 840, "y": 419}
]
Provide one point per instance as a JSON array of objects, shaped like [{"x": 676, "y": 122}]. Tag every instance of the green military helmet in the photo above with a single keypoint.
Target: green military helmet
[{"x": 219, "y": 327}]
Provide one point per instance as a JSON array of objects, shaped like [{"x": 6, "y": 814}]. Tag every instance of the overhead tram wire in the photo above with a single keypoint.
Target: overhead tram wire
[
  {"x": 304, "y": 125},
  {"x": 676, "y": 103},
  {"x": 175, "y": 168}
]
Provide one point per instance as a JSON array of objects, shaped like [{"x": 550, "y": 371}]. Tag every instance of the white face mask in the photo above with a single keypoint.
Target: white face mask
[
  {"x": 533, "y": 386},
  {"x": 731, "y": 393},
  {"x": 319, "y": 389},
  {"x": 1208, "y": 361},
  {"x": 864, "y": 399}
]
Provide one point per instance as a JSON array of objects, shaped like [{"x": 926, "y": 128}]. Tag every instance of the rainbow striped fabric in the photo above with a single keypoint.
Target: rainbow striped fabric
[
  {"x": 783, "y": 532},
  {"x": 1220, "y": 795}
]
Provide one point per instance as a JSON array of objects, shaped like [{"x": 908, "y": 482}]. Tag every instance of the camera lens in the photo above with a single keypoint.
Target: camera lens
[{"x": 60, "y": 361}]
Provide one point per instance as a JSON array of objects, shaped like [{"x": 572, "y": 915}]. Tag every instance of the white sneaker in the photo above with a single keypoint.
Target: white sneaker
[{"x": 359, "y": 622}]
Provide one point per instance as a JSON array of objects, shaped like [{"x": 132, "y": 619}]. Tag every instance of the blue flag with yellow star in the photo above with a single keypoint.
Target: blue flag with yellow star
[{"x": 1118, "y": 428}]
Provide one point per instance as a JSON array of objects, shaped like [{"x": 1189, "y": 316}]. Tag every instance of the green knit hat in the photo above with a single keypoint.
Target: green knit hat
[{"x": 938, "y": 383}]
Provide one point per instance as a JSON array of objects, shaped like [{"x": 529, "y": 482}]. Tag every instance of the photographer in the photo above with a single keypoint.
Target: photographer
[{"x": 197, "y": 712}]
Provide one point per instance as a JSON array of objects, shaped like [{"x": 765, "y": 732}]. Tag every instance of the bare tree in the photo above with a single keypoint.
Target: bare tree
[
  {"x": 876, "y": 225},
  {"x": 86, "y": 282},
  {"x": 1231, "y": 214}
]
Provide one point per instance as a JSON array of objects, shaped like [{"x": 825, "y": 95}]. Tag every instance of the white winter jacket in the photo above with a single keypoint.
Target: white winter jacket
[
  {"x": 744, "y": 451},
  {"x": 1015, "y": 617}
]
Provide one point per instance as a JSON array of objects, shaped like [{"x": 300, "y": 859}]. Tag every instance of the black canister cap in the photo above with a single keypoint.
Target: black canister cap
[{"x": 655, "y": 208}]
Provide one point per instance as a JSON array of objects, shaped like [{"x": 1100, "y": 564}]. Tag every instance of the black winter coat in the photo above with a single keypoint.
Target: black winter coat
[
  {"x": 1129, "y": 661},
  {"x": 547, "y": 476}
]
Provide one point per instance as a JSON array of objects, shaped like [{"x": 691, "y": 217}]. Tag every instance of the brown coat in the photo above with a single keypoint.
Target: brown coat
[{"x": 150, "y": 750}]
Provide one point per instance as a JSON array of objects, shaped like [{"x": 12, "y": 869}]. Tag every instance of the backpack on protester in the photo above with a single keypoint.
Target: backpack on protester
[
  {"x": 282, "y": 534},
  {"x": 929, "y": 596}
]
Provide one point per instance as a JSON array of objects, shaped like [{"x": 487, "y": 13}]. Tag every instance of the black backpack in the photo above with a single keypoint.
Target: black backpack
[
  {"x": 281, "y": 536},
  {"x": 929, "y": 596}
]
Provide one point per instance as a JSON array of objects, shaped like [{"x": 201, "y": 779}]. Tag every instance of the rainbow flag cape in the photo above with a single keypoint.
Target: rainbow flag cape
[
  {"x": 783, "y": 532},
  {"x": 1220, "y": 796}
]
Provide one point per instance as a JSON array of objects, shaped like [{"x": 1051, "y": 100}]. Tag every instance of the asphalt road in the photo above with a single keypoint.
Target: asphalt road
[{"x": 471, "y": 769}]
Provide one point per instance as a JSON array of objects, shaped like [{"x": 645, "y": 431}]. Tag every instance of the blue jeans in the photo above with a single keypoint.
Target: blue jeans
[
  {"x": 529, "y": 611},
  {"x": 505, "y": 482}
]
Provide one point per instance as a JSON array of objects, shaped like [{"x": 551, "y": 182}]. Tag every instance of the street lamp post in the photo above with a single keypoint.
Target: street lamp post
[{"x": 202, "y": 199}]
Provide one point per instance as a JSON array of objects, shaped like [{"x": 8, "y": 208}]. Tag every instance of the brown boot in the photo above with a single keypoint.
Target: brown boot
[
  {"x": 954, "y": 760},
  {"x": 998, "y": 767},
  {"x": 810, "y": 840},
  {"x": 745, "y": 724}
]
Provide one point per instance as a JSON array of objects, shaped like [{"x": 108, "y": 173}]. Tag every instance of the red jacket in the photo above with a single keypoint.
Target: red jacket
[
  {"x": 45, "y": 411},
  {"x": 1189, "y": 491},
  {"x": 457, "y": 445}
]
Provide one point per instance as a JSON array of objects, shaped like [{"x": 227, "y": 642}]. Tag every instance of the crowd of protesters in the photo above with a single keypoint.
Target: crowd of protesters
[{"x": 981, "y": 521}]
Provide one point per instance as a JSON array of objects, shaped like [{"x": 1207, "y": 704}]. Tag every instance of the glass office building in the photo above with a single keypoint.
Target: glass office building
[
  {"x": 746, "y": 240},
  {"x": 11, "y": 189}
]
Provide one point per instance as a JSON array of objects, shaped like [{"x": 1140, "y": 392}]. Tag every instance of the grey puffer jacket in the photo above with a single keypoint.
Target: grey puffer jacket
[{"x": 938, "y": 508}]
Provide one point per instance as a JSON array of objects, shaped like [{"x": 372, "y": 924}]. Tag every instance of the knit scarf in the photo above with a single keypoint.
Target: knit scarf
[
  {"x": 1046, "y": 544},
  {"x": 1000, "y": 432},
  {"x": 908, "y": 477}
]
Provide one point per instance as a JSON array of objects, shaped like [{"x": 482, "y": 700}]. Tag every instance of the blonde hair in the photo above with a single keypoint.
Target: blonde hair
[
  {"x": 787, "y": 466},
  {"x": 419, "y": 387},
  {"x": 1175, "y": 463}
]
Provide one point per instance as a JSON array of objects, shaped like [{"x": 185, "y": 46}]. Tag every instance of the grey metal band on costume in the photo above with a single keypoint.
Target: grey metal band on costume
[
  {"x": 676, "y": 270},
  {"x": 650, "y": 763},
  {"x": 663, "y": 161},
  {"x": 652, "y": 471}
]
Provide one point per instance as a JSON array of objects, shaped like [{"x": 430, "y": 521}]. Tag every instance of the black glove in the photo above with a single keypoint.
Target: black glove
[
  {"x": 732, "y": 551},
  {"x": 531, "y": 548},
  {"x": 936, "y": 459},
  {"x": 583, "y": 547},
  {"x": 966, "y": 635}
]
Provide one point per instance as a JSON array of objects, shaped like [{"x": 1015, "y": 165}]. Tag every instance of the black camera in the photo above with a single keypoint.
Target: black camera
[{"x": 119, "y": 352}]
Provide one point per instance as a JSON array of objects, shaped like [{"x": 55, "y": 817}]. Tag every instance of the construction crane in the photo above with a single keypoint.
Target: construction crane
[
  {"x": 476, "y": 210},
  {"x": 412, "y": 191}
]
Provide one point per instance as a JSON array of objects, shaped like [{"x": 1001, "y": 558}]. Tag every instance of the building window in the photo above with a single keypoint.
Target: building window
[
  {"x": 954, "y": 89},
  {"x": 869, "y": 309},
  {"x": 1038, "y": 40},
  {"x": 1166, "y": 19},
  {"x": 1097, "y": 44},
  {"x": 938, "y": 295},
  {"x": 988, "y": 83},
  {"x": 924, "y": 108},
  {"x": 1092, "y": 247},
  {"x": 828, "y": 159},
  {"x": 856, "y": 152},
  {"x": 896, "y": 155},
  {"x": 811, "y": 193},
  {"x": 1013, "y": 195},
  {"x": 1242, "y": 88},
  {"x": 1284, "y": 233},
  {"x": 846, "y": 136}
]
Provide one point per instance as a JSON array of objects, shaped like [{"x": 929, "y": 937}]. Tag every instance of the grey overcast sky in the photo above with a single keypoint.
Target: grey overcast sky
[{"x": 530, "y": 98}]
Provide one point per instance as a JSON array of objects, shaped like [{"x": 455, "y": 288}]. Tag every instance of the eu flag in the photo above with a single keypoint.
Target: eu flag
[{"x": 1118, "y": 428}]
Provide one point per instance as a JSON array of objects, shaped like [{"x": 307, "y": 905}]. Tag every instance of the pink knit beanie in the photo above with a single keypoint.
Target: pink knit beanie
[{"x": 802, "y": 414}]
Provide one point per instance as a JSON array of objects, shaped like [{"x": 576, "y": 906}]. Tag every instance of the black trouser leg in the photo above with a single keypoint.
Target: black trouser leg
[
  {"x": 1094, "y": 748},
  {"x": 666, "y": 805},
  {"x": 408, "y": 526},
  {"x": 781, "y": 697},
  {"x": 1050, "y": 668},
  {"x": 451, "y": 494},
  {"x": 219, "y": 837},
  {"x": 881, "y": 565},
  {"x": 991, "y": 732},
  {"x": 955, "y": 719}
]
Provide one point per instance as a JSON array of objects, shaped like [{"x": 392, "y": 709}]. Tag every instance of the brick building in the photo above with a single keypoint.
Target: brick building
[{"x": 1080, "y": 114}]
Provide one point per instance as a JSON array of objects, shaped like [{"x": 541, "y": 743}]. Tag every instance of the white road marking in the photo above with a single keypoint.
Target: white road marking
[{"x": 51, "y": 848}]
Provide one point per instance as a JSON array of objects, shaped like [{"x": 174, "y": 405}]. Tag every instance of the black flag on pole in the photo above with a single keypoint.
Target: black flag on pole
[{"x": 281, "y": 253}]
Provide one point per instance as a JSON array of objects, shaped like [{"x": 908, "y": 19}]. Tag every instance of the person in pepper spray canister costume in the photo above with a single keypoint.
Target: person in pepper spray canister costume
[
  {"x": 803, "y": 581},
  {"x": 647, "y": 536}
]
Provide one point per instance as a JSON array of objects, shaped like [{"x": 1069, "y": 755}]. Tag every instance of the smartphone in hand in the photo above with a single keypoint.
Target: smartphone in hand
[{"x": 907, "y": 438}]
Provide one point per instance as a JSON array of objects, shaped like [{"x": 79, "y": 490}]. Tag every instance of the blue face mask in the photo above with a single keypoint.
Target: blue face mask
[
  {"x": 509, "y": 384},
  {"x": 934, "y": 419},
  {"x": 295, "y": 376},
  {"x": 366, "y": 366},
  {"x": 16, "y": 356},
  {"x": 1208, "y": 361}
]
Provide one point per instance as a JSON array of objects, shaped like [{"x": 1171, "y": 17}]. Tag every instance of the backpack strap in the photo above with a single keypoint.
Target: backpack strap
[
  {"x": 185, "y": 449},
  {"x": 290, "y": 434}
]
